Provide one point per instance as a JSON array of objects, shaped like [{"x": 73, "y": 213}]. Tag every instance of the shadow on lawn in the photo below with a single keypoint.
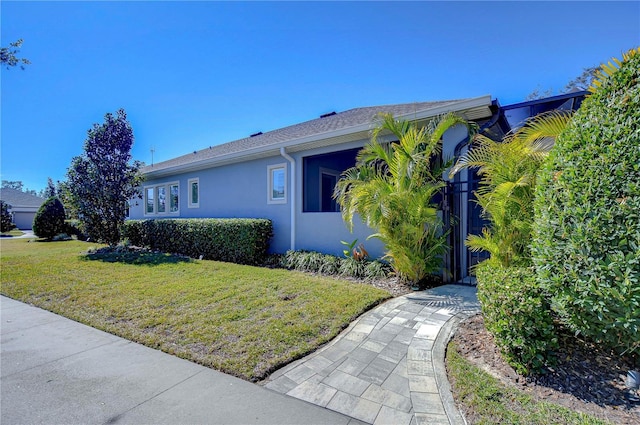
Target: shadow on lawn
[{"x": 139, "y": 257}]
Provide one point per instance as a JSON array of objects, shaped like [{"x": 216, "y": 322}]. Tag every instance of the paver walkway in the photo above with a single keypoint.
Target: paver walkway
[{"x": 388, "y": 366}]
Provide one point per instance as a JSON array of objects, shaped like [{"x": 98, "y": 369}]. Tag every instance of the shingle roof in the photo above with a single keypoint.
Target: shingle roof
[
  {"x": 16, "y": 198},
  {"x": 292, "y": 135}
]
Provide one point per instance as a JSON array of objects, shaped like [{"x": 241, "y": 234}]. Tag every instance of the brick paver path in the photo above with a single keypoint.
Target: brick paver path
[{"x": 388, "y": 366}]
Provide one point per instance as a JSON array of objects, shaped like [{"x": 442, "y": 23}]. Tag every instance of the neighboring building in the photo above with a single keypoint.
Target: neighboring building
[
  {"x": 288, "y": 175},
  {"x": 24, "y": 206}
]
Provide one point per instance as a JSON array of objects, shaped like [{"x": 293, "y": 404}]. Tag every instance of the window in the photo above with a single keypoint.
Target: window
[
  {"x": 162, "y": 199},
  {"x": 174, "y": 191},
  {"x": 277, "y": 178},
  {"x": 194, "y": 193}
]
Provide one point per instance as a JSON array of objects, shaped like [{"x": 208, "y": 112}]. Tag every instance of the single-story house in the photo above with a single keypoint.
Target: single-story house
[
  {"x": 24, "y": 206},
  {"x": 288, "y": 175}
]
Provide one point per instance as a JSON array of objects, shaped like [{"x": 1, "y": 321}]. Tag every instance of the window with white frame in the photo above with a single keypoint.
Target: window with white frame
[
  {"x": 277, "y": 179},
  {"x": 193, "y": 187},
  {"x": 162, "y": 199}
]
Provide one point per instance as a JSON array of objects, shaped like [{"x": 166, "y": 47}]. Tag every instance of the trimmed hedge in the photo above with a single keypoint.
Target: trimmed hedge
[
  {"x": 586, "y": 247},
  {"x": 49, "y": 220},
  {"x": 235, "y": 240},
  {"x": 517, "y": 314}
]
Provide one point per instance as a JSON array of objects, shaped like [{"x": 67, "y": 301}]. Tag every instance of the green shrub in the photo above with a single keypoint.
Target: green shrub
[
  {"x": 516, "y": 312},
  {"x": 353, "y": 268},
  {"x": 586, "y": 247},
  {"x": 6, "y": 221},
  {"x": 315, "y": 262},
  {"x": 49, "y": 220},
  {"x": 242, "y": 241},
  {"x": 75, "y": 228}
]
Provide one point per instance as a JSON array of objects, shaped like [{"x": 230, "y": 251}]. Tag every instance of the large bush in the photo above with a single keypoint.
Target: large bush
[
  {"x": 49, "y": 220},
  {"x": 516, "y": 312},
  {"x": 587, "y": 229},
  {"x": 243, "y": 241},
  {"x": 6, "y": 221}
]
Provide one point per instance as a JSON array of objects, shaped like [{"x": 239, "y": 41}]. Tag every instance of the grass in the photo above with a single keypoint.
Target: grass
[
  {"x": 487, "y": 401},
  {"x": 12, "y": 233},
  {"x": 242, "y": 320}
]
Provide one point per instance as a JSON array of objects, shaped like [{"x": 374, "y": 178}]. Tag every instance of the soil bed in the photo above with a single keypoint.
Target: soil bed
[{"x": 586, "y": 379}]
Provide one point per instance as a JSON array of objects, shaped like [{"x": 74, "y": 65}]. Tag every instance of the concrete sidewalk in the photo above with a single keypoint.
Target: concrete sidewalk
[
  {"x": 388, "y": 366},
  {"x": 57, "y": 371}
]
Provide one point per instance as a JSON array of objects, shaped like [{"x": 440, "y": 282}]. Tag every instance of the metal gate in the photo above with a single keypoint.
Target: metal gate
[{"x": 462, "y": 217}]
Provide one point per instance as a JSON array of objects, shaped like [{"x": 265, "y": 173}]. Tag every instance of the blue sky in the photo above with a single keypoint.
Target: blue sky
[{"x": 195, "y": 74}]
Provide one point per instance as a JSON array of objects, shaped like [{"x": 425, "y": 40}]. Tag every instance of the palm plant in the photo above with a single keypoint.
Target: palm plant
[
  {"x": 392, "y": 187},
  {"x": 508, "y": 171}
]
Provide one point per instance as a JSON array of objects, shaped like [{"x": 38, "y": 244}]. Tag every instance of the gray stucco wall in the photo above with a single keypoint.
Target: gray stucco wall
[
  {"x": 231, "y": 191},
  {"x": 240, "y": 190}
]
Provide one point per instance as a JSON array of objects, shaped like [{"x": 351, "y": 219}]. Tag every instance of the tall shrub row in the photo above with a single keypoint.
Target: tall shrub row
[
  {"x": 587, "y": 242},
  {"x": 242, "y": 241},
  {"x": 585, "y": 239}
]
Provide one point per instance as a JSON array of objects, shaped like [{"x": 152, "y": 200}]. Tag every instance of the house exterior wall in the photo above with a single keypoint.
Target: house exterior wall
[
  {"x": 231, "y": 191},
  {"x": 240, "y": 191}
]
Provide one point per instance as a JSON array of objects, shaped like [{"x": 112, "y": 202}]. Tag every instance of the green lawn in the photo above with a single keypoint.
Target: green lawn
[
  {"x": 487, "y": 401},
  {"x": 14, "y": 232},
  {"x": 245, "y": 321}
]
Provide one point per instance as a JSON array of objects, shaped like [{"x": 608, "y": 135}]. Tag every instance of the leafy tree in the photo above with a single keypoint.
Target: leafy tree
[
  {"x": 582, "y": 81},
  {"x": 102, "y": 180},
  {"x": 13, "y": 184},
  {"x": 50, "y": 190},
  {"x": 586, "y": 246},
  {"x": 392, "y": 187},
  {"x": 508, "y": 171},
  {"x": 8, "y": 56},
  {"x": 18, "y": 185},
  {"x": 6, "y": 220},
  {"x": 49, "y": 220}
]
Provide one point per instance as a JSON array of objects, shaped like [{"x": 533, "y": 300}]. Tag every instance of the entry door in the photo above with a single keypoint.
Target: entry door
[{"x": 328, "y": 181}]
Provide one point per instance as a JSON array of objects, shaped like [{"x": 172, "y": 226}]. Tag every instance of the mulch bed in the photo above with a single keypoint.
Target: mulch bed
[{"x": 586, "y": 379}]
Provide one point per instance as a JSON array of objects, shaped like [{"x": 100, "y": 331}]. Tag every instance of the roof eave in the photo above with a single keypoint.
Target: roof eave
[{"x": 471, "y": 109}]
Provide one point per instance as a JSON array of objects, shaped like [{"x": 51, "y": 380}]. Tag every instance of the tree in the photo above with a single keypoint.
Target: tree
[
  {"x": 18, "y": 185},
  {"x": 8, "y": 56},
  {"x": 6, "y": 220},
  {"x": 580, "y": 83},
  {"x": 50, "y": 190},
  {"x": 508, "y": 171},
  {"x": 49, "y": 220},
  {"x": 392, "y": 187},
  {"x": 103, "y": 179},
  {"x": 13, "y": 184}
]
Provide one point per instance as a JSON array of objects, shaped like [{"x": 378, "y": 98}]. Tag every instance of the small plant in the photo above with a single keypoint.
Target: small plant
[
  {"x": 350, "y": 247},
  {"x": 358, "y": 253},
  {"x": 6, "y": 221},
  {"x": 517, "y": 314},
  {"x": 353, "y": 268},
  {"x": 377, "y": 269},
  {"x": 49, "y": 220}
]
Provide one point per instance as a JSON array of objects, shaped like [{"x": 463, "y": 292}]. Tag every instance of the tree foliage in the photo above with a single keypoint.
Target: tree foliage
[
  {"x": 392, "y": 187},
  {"x": 508, "y": 171},
  {"x": 49, "y": 220},
  {"x": 6, "y": 220},
  {"x": 586, "y": 247},
  {"x": 102, "y": 180},
  {"x": 50, "y": 189},
  {"x": 8, "y": 56}
]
